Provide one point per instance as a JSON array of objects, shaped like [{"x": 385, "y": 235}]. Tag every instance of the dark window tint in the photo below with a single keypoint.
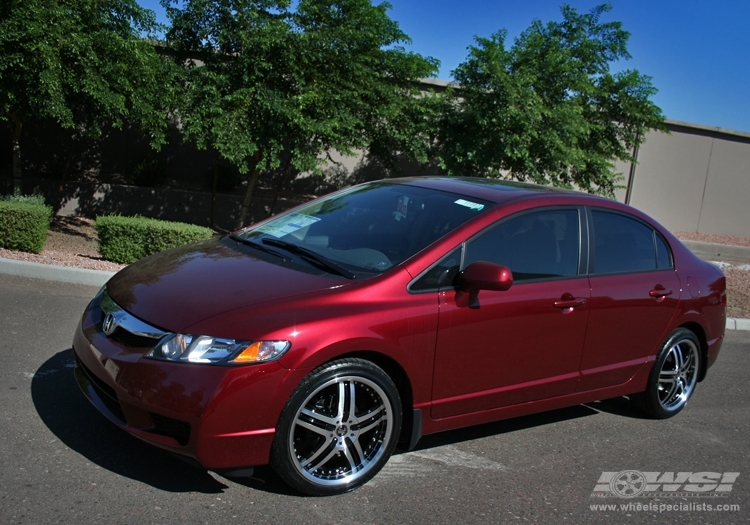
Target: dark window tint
[
  {"x": 373, "y": 227},
  {"x": 538, "y": 245},
  {"x": 625, "y": 244},
  {"x": 441, "y": 275},
  {"x": 663, "y": 258}
]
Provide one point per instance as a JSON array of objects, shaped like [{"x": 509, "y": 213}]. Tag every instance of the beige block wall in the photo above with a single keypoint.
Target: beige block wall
[
  {"x": 695, "y": 179},
  {"x": 624, "y": 169},
  {"x": 726, "y": 204}
]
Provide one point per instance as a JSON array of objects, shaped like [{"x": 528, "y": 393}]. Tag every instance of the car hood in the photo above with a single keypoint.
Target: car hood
[{"x": 182, "y": 286}]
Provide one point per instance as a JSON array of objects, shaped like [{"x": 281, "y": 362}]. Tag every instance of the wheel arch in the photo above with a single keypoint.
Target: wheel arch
[
  {"x": 401, "y": 379},
  {"x": 700, "y": 333},
  {"x": 384, "y": 375}
]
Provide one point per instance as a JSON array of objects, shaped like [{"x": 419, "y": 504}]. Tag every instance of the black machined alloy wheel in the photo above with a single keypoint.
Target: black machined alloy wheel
[
  {"x": 673, "y": 377},
  {"x": 338, "y": 429}
]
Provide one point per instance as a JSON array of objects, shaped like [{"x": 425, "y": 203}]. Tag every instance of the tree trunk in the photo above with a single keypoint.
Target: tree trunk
[
  {"x": 281, "y": 184},
  {"x": 61, "y": 189},
  {"x": 213, "y": 188},
  {"x": 255, "y": 170},
  {"x": 17, "y": 128}
]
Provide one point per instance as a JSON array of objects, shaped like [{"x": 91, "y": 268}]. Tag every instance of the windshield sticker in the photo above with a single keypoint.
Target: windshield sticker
[
  {"x": 469, "y": 204},
  {"x": 403, "y": 203},
  {"x": 289, "y": 224}
]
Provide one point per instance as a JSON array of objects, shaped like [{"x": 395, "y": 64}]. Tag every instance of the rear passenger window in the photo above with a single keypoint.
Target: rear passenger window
[
  {"x": 538, "y": 245},
  {"x": 663, "y": 257},
  {"x": 624, "y": 244}
]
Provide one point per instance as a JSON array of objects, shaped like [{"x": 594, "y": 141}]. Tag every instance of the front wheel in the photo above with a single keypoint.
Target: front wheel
[
  {"x": 338, "y": 428},
  {"x": 674, "y": 376}
]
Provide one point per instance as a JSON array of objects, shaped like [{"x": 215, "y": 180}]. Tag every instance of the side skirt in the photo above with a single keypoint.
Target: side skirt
[{"x": 636, "y": 384}]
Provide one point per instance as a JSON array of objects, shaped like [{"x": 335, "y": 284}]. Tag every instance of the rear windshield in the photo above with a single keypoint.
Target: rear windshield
[{"x": 372, "y": 227}]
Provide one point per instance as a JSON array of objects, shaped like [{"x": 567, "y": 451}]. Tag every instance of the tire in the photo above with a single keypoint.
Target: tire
[
  {"x": 674, "y": 376},
  {"x": 338, "y": 428}
]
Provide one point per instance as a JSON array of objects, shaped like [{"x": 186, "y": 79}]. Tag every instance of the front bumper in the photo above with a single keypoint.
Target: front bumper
[{"x": 221, "y": 416}]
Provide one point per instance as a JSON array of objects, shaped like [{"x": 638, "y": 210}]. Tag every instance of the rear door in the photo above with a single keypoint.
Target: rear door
[{"x": 634, "y": 296}]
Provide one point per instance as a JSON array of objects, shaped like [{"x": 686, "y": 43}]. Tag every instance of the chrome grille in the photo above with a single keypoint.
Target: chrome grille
[
  {"x": 126, "y": 338},
  {"x": 128, "y": 330}
]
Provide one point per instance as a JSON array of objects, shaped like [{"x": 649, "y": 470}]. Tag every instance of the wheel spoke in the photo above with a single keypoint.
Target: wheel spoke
[
  {"x": 667, "y": 400},
  {"x": 320, "y": 418},
  {"x": 316, "y": 429},
  {"x": 687, "y": 364},
  {"x": 333, "y": 453},
  {"x": 323, "y": 447},
  {"x": 352, "y": 462},
  {"x": 360, "y": 454},
  {"x": 352, "y": 404},
  {"x": 679, "y": 357},
  {"x": 667, "y": 375},
  {"x": 380, "y": 413},
  {"x": 342, "y": 401}
]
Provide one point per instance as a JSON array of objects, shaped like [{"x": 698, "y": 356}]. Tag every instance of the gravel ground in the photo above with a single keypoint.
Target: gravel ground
[
  {"x": 716, "y": 239},
  {"x": 737, "y": 273},
  {"x": 72, "y": 242},
  {"x": 738, "y": 290}
]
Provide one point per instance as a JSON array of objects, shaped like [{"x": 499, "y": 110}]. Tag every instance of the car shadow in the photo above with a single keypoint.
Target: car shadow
[
  {"x": 506, "y": 426},
  {"x": 618, "y": 406},
  {"x": 66, "y": 412},
  {"x": 265, "y": 479}
]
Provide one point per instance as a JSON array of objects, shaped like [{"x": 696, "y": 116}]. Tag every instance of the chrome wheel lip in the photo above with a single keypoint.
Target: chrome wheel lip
[
  {"x": 678, "y": 375},
  {"x": 344, "y": 432}
]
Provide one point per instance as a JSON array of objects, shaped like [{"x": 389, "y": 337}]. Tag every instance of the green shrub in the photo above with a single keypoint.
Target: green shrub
[
  {"x": 34, "y": 198},
  {"x": 24, "y": 221},
  {"x": 127, "y": 239}
]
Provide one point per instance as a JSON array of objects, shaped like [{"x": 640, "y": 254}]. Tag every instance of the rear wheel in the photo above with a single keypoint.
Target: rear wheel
[
  {"x": 673, "y": 377},
  {"x": 338, "y": 429}
]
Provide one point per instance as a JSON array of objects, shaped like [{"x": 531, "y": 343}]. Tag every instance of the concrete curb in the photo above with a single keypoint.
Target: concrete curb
[
  {"x": 738, "y": 324},
  {"x": 718, "y": 252},
  {"x": 99, "y": 277},
  {"x": 54, "y": 273}
]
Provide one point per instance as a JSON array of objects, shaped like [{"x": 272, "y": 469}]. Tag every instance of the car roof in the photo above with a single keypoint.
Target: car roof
[{"x": 493, "y": 190}]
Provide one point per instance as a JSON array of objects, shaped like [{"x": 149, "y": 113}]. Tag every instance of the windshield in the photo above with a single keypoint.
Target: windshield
[{"x": 368, "y": 228}]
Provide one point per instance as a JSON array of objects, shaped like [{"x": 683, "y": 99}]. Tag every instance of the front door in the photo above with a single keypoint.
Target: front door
[{"x": 507, "y": 347}]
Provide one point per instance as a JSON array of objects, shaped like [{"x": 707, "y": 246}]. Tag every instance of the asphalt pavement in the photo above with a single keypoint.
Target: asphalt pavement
[{"x": 62, "y": 462}]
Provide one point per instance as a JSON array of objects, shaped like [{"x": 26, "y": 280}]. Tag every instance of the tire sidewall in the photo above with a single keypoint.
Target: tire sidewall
[
  {"x": 282, "y": 455},
  {"x": 652, "y": 392}
]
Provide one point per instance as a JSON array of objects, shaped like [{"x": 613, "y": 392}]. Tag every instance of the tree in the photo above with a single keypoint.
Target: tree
[
  {"x": 84, "y": 64},
  {"x": 268, "y": 83},
  {"x": 548, "y": 109},
  {"x": 365, "y": 80}
]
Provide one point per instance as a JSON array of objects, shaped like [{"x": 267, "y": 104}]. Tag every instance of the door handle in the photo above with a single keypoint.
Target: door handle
[
  {"x": 660, "y": 293},
  {"x": 569, "y": 302}
]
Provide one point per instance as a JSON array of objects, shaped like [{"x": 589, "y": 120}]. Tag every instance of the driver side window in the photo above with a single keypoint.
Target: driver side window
[
  {"x": 441, "y": 275},
  {"x": 535, "y": 246}
]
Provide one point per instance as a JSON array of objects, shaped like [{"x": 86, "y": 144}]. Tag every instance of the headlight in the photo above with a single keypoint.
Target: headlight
[{"x": 184, "y": 348}]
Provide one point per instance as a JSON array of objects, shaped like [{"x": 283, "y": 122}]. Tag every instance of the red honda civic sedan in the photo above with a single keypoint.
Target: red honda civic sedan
[{"x": 320, "y": 339}]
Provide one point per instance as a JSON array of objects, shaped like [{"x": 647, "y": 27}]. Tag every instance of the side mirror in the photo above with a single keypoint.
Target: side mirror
[{"x": 483, "y": 275}]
